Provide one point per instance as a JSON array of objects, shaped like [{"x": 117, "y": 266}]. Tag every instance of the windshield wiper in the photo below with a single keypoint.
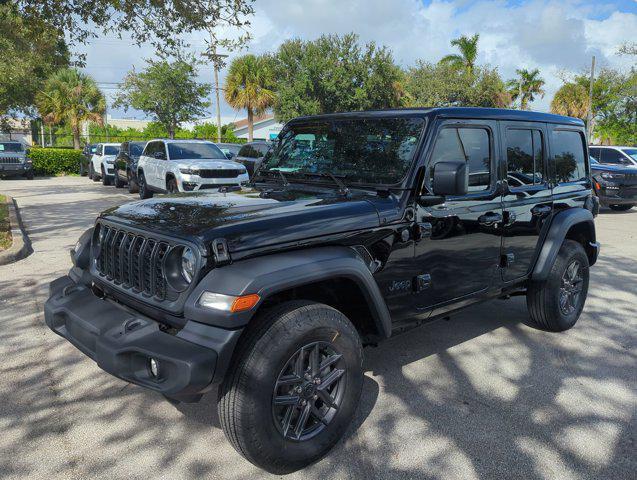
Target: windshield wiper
[{"x": 342, "y": 188}]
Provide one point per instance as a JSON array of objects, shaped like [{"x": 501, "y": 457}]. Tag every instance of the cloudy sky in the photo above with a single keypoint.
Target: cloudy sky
[{"x": 558, "y": 37}]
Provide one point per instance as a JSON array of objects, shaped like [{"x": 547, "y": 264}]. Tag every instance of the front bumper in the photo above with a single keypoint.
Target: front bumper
[
  {"x": 15, "y": 168},
  {"x": 194, "y": 183},
  {"x": 617, "y": 194},
  {"x": 122, "y": 342}
]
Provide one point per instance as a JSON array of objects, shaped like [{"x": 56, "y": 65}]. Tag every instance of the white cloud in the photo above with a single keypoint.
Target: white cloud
[{"x": 554, "y": 36}]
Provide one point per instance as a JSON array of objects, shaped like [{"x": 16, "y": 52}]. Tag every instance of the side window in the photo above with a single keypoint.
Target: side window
[
  {"x": 470, "y": 144},
  {"x": 249, "y": 151},
  {"x": 524, "y": 157},
  {"x": 151, "y": 148},
  {"x": 161, "y": 147},
  {"x": 98, "y": 150},
  {"x": 568, "y": 150},
  {"x": 595, "y": 153},
  {"x": 612, "y": 156}
]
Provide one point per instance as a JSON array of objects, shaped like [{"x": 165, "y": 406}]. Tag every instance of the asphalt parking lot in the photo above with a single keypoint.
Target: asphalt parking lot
[{"x": 482, "y": 395}]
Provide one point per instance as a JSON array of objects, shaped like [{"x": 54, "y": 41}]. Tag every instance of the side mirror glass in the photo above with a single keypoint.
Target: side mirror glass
[
  {"x": 450, "y": 178},
  {"x": 229, "y": 155}
]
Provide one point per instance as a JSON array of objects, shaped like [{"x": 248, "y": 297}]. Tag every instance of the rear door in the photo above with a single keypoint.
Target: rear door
[
  {"x": 527, "y": 202},
  {"x": 161, "y": 165},
  {"x": 147, "y": 162}
]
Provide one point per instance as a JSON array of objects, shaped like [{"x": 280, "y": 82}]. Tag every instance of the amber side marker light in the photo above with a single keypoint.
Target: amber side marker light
[{"x": 228, "y": 303}]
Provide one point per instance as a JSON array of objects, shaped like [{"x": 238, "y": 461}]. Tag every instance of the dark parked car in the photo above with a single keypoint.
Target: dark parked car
[
  {"x": 251, "y": 155},
  {"x": 230, "y": 150},
  {"x": 87, "y": 153},
  {"x": 382, "y": 221},
  {"x": 615, "y": 185},
  {"x": 126, "y": 165},
  {"x": 14, "y": 160}
]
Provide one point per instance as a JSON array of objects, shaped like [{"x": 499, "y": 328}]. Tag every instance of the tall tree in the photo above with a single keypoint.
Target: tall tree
[
  {"x": 466, "y": 59},
  {"x": 572, "y": 100},
  {"x": 30, "y": 53},
  {"x": 249, "y": 86},
  {"x": 167, "y": 91},
  {"x": 334, "y": 74},
  {"x": 526, "y": 87},
  {"x": 444, "y": 85},
  {"x": 156, "y": 21},
  {"x": 71, "y": 97}
]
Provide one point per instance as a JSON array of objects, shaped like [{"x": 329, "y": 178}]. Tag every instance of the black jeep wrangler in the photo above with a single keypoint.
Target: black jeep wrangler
[{"x": 356, "y": 226}]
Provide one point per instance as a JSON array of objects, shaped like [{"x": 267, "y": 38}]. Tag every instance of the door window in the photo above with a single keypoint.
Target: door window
[
  {"x": 595, "y": 153},
  {"x": 567, "y": 148},
  {"x": 612, "y": 156},
  {"x": 524, "y": 157},
  {"x": 469, "y": 144}
]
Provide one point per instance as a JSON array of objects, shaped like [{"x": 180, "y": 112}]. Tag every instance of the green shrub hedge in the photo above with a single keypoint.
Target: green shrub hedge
[{"x": 55, "y": 161}]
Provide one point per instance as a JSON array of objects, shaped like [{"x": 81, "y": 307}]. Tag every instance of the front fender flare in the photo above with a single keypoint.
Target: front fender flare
[{"x": 270, "y": 274}]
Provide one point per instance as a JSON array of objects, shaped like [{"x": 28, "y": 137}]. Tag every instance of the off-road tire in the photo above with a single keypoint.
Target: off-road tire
[
  {"x": 144, "y": 193},
  {"x": 105, "y": 180},
  {"x": 118, "y": 181},
  {"x": 543, "y": 297},
  {"x": 246, "y": 397},
  {"x": 620, "y": 208}
]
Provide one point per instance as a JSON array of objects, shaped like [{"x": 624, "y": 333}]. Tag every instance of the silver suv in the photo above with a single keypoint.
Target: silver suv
[{"x": 14, "y": 160}]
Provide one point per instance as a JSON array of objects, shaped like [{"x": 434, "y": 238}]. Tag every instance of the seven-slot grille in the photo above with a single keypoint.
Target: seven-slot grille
[
  {"x": 132, "y": 261},
  {"x": 220, "y": 173},
  {"x": 6, "y": 160}
]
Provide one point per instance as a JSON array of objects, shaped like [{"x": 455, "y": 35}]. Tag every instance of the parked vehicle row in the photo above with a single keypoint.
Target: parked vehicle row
[{"x": 172, "y": 166}]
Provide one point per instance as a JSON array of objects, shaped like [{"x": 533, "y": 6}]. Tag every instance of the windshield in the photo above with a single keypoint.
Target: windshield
[
  {"x": 631, "y": 152},
  {"x": 194, "y": 151},
  {"x": 361, "y": 150},
  {"x": 11, "y": 147},
  {"x": 136, "y": 149},
  {"x": 111, "y": 150}
]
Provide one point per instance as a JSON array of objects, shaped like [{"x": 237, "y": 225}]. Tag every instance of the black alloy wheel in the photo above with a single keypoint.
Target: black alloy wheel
[
  {"x": 308, "y": 391},
  {"x": 144, "y": 193},
  {"x": 132, "y": 184},
  {"x": 172, "y": 186},
  {"x": 571, "y": 288}
]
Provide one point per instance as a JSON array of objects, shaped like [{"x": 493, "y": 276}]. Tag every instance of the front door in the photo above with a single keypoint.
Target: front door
[
  {"x": 527, "y": 201},
  {"x": 458, "y": 253}
]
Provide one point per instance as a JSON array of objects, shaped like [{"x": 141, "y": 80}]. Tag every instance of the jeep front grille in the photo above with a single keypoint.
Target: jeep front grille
[
  {"x": 10, "y": 160},
  {"x": 219, "y": 173},
  {"x": 132, "y": 261}
]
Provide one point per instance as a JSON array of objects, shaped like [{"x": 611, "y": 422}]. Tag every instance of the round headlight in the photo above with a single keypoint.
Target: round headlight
[{"x": 188, "y": 264}]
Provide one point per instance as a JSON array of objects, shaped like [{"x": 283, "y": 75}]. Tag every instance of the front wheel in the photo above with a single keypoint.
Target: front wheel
[
  {"x": 105, "y": 180},
  {"x": 293, "y": 387},
  {"x": 556, "y": 303},
  {"x": 172, "y": 186},
  {"x": 620, "y": 208},
  {"x": 144, "y": 192},
  {"x": 117, "y": 180},
  {"x": 132, "y": 184}
]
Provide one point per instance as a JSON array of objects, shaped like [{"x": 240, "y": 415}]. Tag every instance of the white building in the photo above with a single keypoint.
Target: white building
[{"x": 265, "y": 127}]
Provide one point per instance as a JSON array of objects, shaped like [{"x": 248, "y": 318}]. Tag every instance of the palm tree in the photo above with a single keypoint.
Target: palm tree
[
  {"x": 526, "y": 87},
  {"x": 249, "y": 85},
  {"x": 71, "y": 97},
  {"x": 468, "y": 47},
  {"x": 571, "y": 99}
]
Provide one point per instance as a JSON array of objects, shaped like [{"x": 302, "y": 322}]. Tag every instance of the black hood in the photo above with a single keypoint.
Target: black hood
[{"x": 250, "y": 219}]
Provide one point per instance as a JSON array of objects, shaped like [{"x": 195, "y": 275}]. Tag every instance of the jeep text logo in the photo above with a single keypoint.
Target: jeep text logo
[{"x": 400, "y": 286}]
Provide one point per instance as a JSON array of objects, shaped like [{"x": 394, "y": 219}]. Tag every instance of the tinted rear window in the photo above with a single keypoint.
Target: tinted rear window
[
  {"x": 567, "y": 148},
  {"x": 11, "y": 147},
  {"x": 136, "y": 149}
]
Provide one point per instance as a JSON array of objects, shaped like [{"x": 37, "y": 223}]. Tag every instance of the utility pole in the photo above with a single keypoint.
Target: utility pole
[
  {"x": 216, "y": 60},
  {"x": 589, "y": 115}
]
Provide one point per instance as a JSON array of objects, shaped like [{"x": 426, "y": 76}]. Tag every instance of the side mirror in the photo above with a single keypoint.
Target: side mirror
[
  {"x": 450, "y": 178},
  {"x": 160, "y": 155},
  {"x": 229, "y": 155}
]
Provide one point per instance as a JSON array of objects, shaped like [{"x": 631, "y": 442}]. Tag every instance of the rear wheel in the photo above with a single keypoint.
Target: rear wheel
[
  {"x": 293, "y": 387},
  {"x": 143, "y": 188},
  {"x": 556, "y": 303},
  {"x": 620, "y": 208}
]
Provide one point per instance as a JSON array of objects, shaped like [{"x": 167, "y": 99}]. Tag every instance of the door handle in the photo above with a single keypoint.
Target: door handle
[
  {"x": 489, "y": 219},
  {"x": 541, "y": 210}
]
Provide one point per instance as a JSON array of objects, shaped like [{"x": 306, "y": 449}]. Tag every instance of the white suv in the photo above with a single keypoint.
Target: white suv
[
  {"x": 185, "y": 166},
  {"x": 614, "y": 155},
  {"x": 101, "y": 166}
]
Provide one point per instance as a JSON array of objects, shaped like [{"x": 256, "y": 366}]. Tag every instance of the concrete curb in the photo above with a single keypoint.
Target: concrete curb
[{"x": 21, "y": 247}]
